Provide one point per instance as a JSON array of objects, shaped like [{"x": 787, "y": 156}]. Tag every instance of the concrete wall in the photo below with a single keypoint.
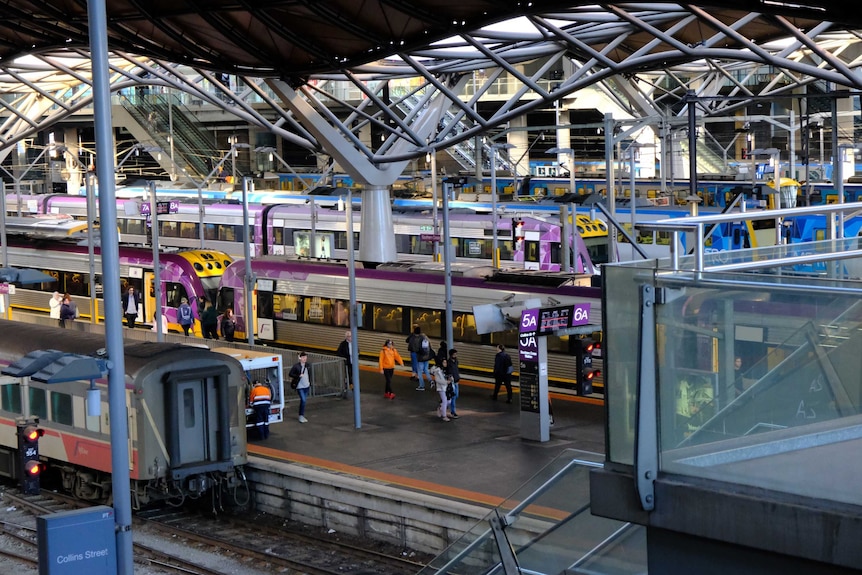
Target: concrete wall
[{"x": 362, "y": 508}]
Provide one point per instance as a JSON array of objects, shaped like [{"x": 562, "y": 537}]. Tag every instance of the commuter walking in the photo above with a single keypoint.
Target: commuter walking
[
  {"x": 455, "y": 376},
  {"x": 185, "y": 317},
  {"x": 502, "y": 373},
  {"x": 300, "y": 381},
  {"x": 440, "y": 383},
  {"x": 260, "y": 401},
  {"x": 389, "y": 356},
  {"x": 423, "y": 356},
  {"x": 345, "y": 350},
  {"x": 413, "y": 348},
  {"x": 131, "y": 301}
]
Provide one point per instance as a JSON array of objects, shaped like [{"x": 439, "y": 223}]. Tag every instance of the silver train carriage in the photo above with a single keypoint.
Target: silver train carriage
[
  {"x": 304, "y": 305},
  {"x": 186, "y": 419}
]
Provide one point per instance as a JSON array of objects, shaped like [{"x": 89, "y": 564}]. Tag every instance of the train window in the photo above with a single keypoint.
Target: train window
[
  {"x": 286, "y": 306},
  {"x": 341, "y": 240},
  {"x": 556, "y": 253},
  {"x": 428, "y": 320},
  {"x": 417, "y": 246},
  {"x": 225, "y": 299},
  {"x": 169, "y": 229},
  {"x": 230, "y": 233},
  {"x": 189, "y": 408},
  {"x": 278, "y": 236},
  {"x": 174, "y": 293},
  {"x": 211, "y": 232},
  {"x": 10, "y": 397},
  {"x": 264, "y": 304},
  {"x": 465, "y": 328},
  {"x": 188, "y": 230},
  {"x": 341, "y": 313},
  {"x": 387, "y": 318},
  {"x": 74, "y": 283},
  {"x": 61, "y": 408},
  {"x": 135, "y": 226},
  {"x": 505, "y": 250},
  {"x": 318, "y": 310},
  {"x": 531, "y": 251},
  {"x": 473, "y": 248},
  {"x": 38, "y": 403}
]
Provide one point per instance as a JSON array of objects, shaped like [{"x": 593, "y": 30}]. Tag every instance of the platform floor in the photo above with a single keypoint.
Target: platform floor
[{"x": 480, "y": 457}]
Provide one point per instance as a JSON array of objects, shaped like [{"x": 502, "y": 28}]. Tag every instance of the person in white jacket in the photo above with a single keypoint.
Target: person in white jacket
[{"x": 55, "y": 303}]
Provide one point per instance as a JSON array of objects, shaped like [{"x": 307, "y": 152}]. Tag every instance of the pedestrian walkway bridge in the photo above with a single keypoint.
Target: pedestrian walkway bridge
[
  {"x": 762, "y": 458},
  {"x": 546, "y": 528}
]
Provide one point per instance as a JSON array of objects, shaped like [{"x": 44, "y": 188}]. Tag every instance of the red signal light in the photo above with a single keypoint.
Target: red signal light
[
  {"x": 34, "y": 468},
  {"x": 33, "y": 433}
]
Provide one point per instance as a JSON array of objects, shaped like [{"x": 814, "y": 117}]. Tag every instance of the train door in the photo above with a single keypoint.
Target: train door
[
  {"x": 190, "y": 421},
  {"x": 265, "y": 327},
  {"x": 532, "y": 251},
  {"x": 148, "y": 302}
]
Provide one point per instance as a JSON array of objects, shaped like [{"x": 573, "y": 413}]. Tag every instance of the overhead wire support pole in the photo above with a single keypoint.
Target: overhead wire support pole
[
  {"x": 97, "y": 18},
  {"x": 157, "y": 271},
  {"x": 354, "y": 314},
  {"x": 249, "y": 279}
]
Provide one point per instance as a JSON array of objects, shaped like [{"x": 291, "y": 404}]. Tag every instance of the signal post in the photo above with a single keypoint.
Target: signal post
[{"x": 30, "y": 467}]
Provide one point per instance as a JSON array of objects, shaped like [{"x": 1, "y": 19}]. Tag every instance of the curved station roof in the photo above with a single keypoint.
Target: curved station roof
[{"x": 300, "y": 37}]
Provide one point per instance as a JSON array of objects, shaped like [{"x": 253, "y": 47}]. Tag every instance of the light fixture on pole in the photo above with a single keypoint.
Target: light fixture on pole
[
  {"x": 495, "y": 252},
  {"x": 564, "y": 241}
]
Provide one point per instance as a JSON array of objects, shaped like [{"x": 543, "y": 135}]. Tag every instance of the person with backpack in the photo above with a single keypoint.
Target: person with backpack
[
  {"x": 413, "y": 348},
  {"x": 423, "y": 356},
  {"x": 185, "y": 317}
]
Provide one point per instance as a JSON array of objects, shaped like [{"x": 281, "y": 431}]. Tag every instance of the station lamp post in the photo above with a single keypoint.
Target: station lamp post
[
  {"x": 495, "y": 252},
  {"x": 564, "y": 241}
]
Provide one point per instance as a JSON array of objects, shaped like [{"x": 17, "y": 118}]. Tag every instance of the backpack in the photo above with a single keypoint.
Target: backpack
[{"x": 185, "y": 314}]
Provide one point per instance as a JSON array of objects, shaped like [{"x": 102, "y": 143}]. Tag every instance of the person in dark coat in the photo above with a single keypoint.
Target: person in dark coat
[
  {"x": 442, "y": 354},
  {"x": 502, "y": 373},
  {"x": 455, "y": 376},
  {"x": 344, "y": 350},
  {"x": 209, "y": 322},
  {"x": 131, "y": 301},
  {"x": 228, "y": 324}
]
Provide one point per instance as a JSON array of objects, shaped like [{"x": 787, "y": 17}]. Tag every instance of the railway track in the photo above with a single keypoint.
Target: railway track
[
  {"x": 276, "y": 546},
  {"x": 179, "y": 541}
]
